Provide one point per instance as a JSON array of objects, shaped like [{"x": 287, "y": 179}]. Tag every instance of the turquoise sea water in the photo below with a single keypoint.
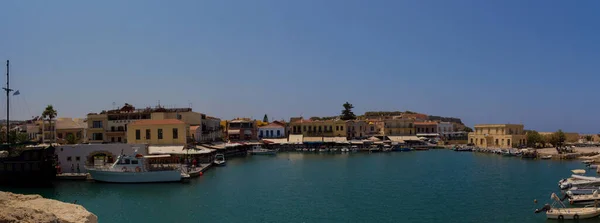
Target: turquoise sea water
[{"x": 420, "y": 186}]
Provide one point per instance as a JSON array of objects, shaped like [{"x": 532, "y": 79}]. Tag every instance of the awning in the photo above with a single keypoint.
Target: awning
[
  {"x": 335, "y": 139},
  {"x": 233, "y": 132},
  {"x": 296, "y": 139},
  {"x": 313, "y": 139},
  {"x": 401, "y": 139},
  {"x": 154, "y": 150},
  {"x": 157, "y": 156},
  {"x": 428, "y": 134},
  {"x": 275, "y": 141}
]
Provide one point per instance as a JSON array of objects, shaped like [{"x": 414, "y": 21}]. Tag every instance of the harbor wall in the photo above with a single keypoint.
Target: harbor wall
[{"x": 72, "y": 156}]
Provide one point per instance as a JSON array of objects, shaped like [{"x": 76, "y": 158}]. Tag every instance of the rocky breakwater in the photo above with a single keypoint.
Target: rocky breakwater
[{"x": 35, "y": 208}]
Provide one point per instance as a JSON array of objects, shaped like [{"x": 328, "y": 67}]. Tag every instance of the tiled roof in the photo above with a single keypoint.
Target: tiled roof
[
  {"x": 158, "y": 122},
  {"x": 193, "y": 128},
  {"x": 272, "y": 125}
]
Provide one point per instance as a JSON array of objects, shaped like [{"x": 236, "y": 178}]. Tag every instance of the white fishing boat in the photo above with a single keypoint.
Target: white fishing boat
[
  {"x": 305, "y": 150},
  {"x": 258, "y": 150},
  {"x": 546, "y": 157},
  {"x": 219, "y": 160},
  {"x": 345, "y": 149},
  {"x": 584, "y": 199},
  {"x": 563, "y": 213},
  {"x": 136, "y": 169}
]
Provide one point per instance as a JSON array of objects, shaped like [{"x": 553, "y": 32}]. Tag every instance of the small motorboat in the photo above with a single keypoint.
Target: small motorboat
[
  {"x": 323, "y": 149},
  {"x": 582, "y": 190},
  {"x": 345, "y": 149},
  {"x": 258, "y": 150},
  {"x": 547, "y": 157},
  {"x": 354, "y": 149},
  {"x": 219, "y": 160},
  {"x": 333, "y": 149},
  {"x": 305, "y": 150},
  {"x": 584, "y": 199},
  {"x": 563, "y": 213}
]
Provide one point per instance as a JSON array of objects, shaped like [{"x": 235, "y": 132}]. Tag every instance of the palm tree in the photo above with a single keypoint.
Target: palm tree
[{"x": 49, "y": 113}]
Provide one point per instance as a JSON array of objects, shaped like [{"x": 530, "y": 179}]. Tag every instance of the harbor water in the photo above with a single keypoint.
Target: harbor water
[{"x": 419, "y": 186}]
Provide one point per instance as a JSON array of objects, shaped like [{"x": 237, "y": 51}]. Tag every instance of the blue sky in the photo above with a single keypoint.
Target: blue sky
[{"x": 530, "y": 62}]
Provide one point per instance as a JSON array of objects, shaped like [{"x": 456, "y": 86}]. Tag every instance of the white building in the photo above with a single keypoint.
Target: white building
[
  {"x": 445, "y": 129},
  {"x": 273, "y": 130},
  {"x": 74, "y": 158}
]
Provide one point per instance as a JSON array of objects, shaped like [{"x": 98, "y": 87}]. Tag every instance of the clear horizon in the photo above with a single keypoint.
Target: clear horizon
[{"x": 528, "y": 62}]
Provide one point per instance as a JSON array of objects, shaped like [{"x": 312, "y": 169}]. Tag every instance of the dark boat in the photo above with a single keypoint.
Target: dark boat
[
  {"x": 24, "y": 166},
  {"x": 31, "y": 167}
]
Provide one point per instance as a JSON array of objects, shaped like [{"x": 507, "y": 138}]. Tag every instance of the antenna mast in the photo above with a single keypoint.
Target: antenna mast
[{"x": 8, "y": 90}]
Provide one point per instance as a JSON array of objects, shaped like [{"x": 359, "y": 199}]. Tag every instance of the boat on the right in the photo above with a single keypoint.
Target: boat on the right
[{"x": 559, "y": 211}]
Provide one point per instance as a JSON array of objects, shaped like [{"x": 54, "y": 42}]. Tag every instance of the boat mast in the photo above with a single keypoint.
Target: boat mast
[{"x": 8, "y": 90}]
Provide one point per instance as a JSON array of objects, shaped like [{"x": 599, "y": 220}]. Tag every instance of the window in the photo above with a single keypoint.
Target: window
[
  {"x": 147, "y": 133},
  {"x": 68, "y": 158},
  {"x": 160, "y": 134},
  {"x": 278, "y": 132},
  {"x": 175, "y": 133},
  {"x": 77, "y": 158},
  {"x": 372, "y": 128},
  {"x": 137, "y": 134},
  {"x": 271, "y": 133},
  {"x": 178, "y": 116},
  {"x": 112, "y": 128},
  {"x": 502, "y": 141},
  {"x": 119, "y": 139},
  {"x": 304, "y": 128},
  {"x": 134, "y": 162},
  {"x": 319, "y": 128},
  {"x": 337, "y": 128},
  {"x": 126, "y": 161},
  {"x": 97, "y": 124},
  {"x": 508, "y": 142},
  {"x": 112, "y": 139},
  {"x": 341, "y": 128},
  {"x": 97, "y": 136},
  {"x": 496, "y": 142}
]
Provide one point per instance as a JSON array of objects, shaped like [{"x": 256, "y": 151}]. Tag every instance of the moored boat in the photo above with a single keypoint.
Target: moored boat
[
  {"x": 258, "y": 150},
  {"x": 219, "y": 160},
  {"x": 546, "y": 157},
  {"x": 564, "y": 213},
  {"x": 136, "y": 169}
]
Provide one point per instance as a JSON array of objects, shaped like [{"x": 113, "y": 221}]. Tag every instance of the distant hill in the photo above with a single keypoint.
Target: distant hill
[{"x": 445, "y": 119}]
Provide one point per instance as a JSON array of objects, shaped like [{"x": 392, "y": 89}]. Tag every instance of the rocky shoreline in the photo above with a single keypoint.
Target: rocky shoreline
[{"x": 35, "y": 208}]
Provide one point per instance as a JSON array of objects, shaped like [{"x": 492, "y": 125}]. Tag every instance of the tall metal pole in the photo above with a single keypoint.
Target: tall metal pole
[{"x": 7, "y": 105}]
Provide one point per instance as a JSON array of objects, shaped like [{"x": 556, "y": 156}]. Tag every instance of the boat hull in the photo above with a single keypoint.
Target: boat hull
[
  {"x": 573, "y": 213},
  {"x": 219, "y": 163},
  {"x": 136, "y": 177}
]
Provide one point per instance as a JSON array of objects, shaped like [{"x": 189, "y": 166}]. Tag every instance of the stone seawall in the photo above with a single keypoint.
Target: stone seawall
[{"x": 35, "y": 208}]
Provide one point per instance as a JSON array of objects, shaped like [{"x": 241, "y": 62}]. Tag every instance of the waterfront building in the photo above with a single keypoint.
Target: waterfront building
[
  {"x": 374, "y": 127},
  {"x": 209, "y": 131},
  {"x": 498, "y": 135},
  {"x": 241, "y": 129},
  {"x": 272, "y": 130},
  {"x": 71, "y": 127},
  {"x": 75, "y": 158},
  {"x": 399, "y": 127},
  {"x": 110, "y": 126},
  {"x": 426, "y": 129},
  {"x": 158, "y": 132},
  {"x": 445, "y": 129},
  {"x": 320, "y": 128},
  {"x": 356, "y": 129}
]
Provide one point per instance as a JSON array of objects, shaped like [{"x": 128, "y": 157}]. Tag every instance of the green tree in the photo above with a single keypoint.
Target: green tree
[
  {"x": 266, "y": 119},
  {"x": 558, "y": 138},
  {"x": 21, "y": 137},
  {"x": 589, "y": 138},
  {"x": 533, "y": 138},
  {"x": 71, "y": 139},
  {"x": 49, "y": 113},
  {"x": 467, "y": 129},
  {"x": 347, "y": 113}
]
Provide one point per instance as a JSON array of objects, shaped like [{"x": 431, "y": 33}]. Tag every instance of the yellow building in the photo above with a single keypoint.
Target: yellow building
[
  {"x": 68, "y": 127},
  {"x": 399, "y": 127},
  {"x": 356, "y": 129},
  {"x": 498, "y": 135},
  {"x": 325, "y": 128},
  {"x": 111, "y": 126},
  {"x": 158, "y": 132}
]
